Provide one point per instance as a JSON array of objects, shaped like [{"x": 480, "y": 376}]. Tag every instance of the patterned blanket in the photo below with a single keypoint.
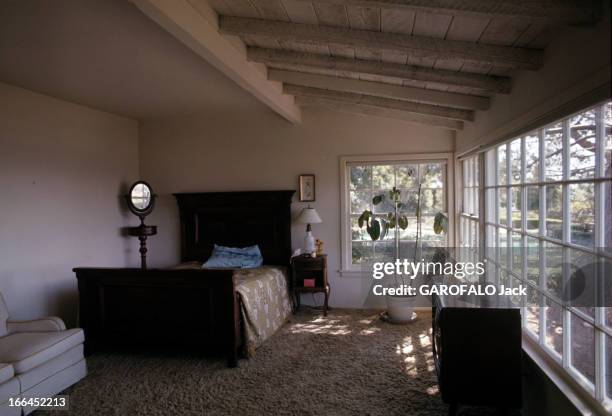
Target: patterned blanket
[{"x": 265, "y": 302}]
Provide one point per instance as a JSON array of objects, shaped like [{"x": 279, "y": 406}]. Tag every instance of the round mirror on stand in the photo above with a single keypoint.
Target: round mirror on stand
[{"x": 141, "y": 200}]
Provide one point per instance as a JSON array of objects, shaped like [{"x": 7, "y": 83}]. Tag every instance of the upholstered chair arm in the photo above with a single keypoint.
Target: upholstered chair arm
[{"x": 48, "y": 324}]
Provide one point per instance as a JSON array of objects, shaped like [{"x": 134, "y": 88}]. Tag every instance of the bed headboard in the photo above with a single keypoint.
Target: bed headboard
[{"x": 236, "y": 219}]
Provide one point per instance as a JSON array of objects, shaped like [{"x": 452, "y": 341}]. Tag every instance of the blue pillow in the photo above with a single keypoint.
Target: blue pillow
[{"x": 233, "y": 257}]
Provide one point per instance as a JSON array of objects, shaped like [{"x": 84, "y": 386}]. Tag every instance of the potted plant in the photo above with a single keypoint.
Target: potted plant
[{"x": 399, "y": 308}]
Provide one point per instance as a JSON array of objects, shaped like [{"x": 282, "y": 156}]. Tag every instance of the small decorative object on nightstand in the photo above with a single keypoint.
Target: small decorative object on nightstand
[
  {"x": 309, "y": 275},
  {"x": 319, "y": 245}
]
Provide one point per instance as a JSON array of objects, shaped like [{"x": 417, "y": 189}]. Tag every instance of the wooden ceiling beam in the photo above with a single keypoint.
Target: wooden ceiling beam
[
  {"x": 381, "y": 89},
  {"x": 486, "y": 83},
  {"x": 371, "y": 100},
  {"x": 414, "y": 46},
  {"x": 547, "y": 12},
  {"x": 378, "y": 112}
]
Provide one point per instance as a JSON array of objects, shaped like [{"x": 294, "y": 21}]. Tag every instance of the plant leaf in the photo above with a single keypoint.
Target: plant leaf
[
  {"x": 374, "y": 230},
  {"x": 440, "y": 223},
  {"x": 363, "y": 218},
  {"x": 377, "y": 199},
  {"x": 403, "y": 222}
]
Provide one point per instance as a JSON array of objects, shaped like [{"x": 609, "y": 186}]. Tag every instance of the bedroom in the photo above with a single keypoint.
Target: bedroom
[{"x": 97, "y": 95}]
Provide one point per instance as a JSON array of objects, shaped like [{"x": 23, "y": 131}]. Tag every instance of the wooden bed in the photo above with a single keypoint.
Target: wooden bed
[{"x": 130, "y": 307}]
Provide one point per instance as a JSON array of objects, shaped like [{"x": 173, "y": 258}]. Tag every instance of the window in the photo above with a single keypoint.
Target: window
[
  {"x": 548, "y": 223},
  {"x": 366, "y": 177},
  {"x": 469, "y": 225}
]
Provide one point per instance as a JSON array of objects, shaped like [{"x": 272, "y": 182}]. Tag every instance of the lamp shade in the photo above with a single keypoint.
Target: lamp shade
[{"x": 309, "y": 216}]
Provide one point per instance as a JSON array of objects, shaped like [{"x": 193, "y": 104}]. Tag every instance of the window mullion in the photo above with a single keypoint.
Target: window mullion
[
  {"x": 566, "y": 229},
  {"x": 481, "y": 205},
  {"x": 542, "y": 231},
  {"x": 600, "y": 337}
]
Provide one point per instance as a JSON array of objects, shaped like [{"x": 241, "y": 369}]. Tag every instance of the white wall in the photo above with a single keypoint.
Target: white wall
[
  {"x": 260, "y": 151},
  {"x": 62, "y": 171},
  {"x": 576, "y": 61}
]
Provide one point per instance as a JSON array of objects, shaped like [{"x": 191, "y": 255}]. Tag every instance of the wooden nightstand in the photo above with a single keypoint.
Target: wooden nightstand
[{"x": 303, "y": 267}]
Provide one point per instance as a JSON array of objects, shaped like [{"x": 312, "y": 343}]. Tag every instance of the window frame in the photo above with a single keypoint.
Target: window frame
[
  {"x": 346, "y": 265},
  {"x": 595, "y": 393}
]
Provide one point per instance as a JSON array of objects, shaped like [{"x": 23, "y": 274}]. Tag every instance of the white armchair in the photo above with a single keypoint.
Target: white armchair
[{"x": 44, "y": 357}]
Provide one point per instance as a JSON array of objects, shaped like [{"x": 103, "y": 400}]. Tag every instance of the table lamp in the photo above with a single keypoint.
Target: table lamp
[{"x": 309, "y": 216}]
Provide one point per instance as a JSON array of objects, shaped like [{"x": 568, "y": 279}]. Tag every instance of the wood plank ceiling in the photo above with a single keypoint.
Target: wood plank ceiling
[{"x": 427, "y": 61}]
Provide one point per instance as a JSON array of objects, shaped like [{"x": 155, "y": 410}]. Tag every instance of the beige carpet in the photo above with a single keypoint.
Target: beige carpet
[{"x": 349, "y": 363}]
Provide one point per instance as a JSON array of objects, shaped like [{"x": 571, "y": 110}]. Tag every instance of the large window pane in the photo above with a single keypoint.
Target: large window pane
[
  {"x": 386, "y": 205},
  {"x": 554, "y": 326},
  {"x": 533, "y": 209},
  {"x": 409, "y": 199},
  {"x": 362, "y": 252},
  {"x": 491, "y": 242},
  {"x": 582, "y": 285},
  {"x": 358, "y": 233},
  {"x": 532, "y": 158},
  {"x": 410, "y": 232},
  {"x": 605, "y": 273},
  {"x": 490, "y": 172},
  {"x": 468, "y": 173},
  {"x": 583, "y": 347},
  {"x": 384, "y": 251},
  {"x": 553, "y": 268},
  {"x": 533, "y": 260},
  {"x": 533, "y": 311},
  {"x": 432, "y": 201},
  {"x": 515, "y": 161},
  {"x": 582, "y": 213},
  {"x": 607, "y": 217},
  {"x": 502, "y": 236},
  {"x": 406, "y": 176},
  {"x": 502, "y": 165},
  {"x": 427, "y": 231},
  {"x": 361, "y": 177},
  {"x": 607, "y": 123},
  {"x": 383, "y": 177},
  {"x": 360, "y": 201},
  {"x": 553, "y": 149},
  {"x": 490, "y": 205},
  {"x": 517, "y": 254},
  {"x": 432, "y": 175},
  {"x": 502, "y": 207},
  {"x": 554, "y": 211},
  {"x": 516, "y": 207},
  {"x": 582, "y": 145}
]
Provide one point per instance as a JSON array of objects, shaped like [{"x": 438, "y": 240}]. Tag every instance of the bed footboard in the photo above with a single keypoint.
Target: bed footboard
[{"x": 134, "y": 308}]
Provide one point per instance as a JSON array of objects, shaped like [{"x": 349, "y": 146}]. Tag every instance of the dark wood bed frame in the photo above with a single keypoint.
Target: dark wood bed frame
[{"x": 128, "y": 307}]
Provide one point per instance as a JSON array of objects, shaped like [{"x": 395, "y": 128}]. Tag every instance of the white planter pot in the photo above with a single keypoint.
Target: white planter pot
[{"x": 400, "y": 308}]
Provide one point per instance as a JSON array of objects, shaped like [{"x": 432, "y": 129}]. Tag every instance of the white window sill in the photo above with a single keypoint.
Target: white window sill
[{"x": 584, "y": 402}]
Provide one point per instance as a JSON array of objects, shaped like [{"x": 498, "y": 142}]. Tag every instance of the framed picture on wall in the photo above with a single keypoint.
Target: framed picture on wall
[{"x": 307, "y": 188}]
